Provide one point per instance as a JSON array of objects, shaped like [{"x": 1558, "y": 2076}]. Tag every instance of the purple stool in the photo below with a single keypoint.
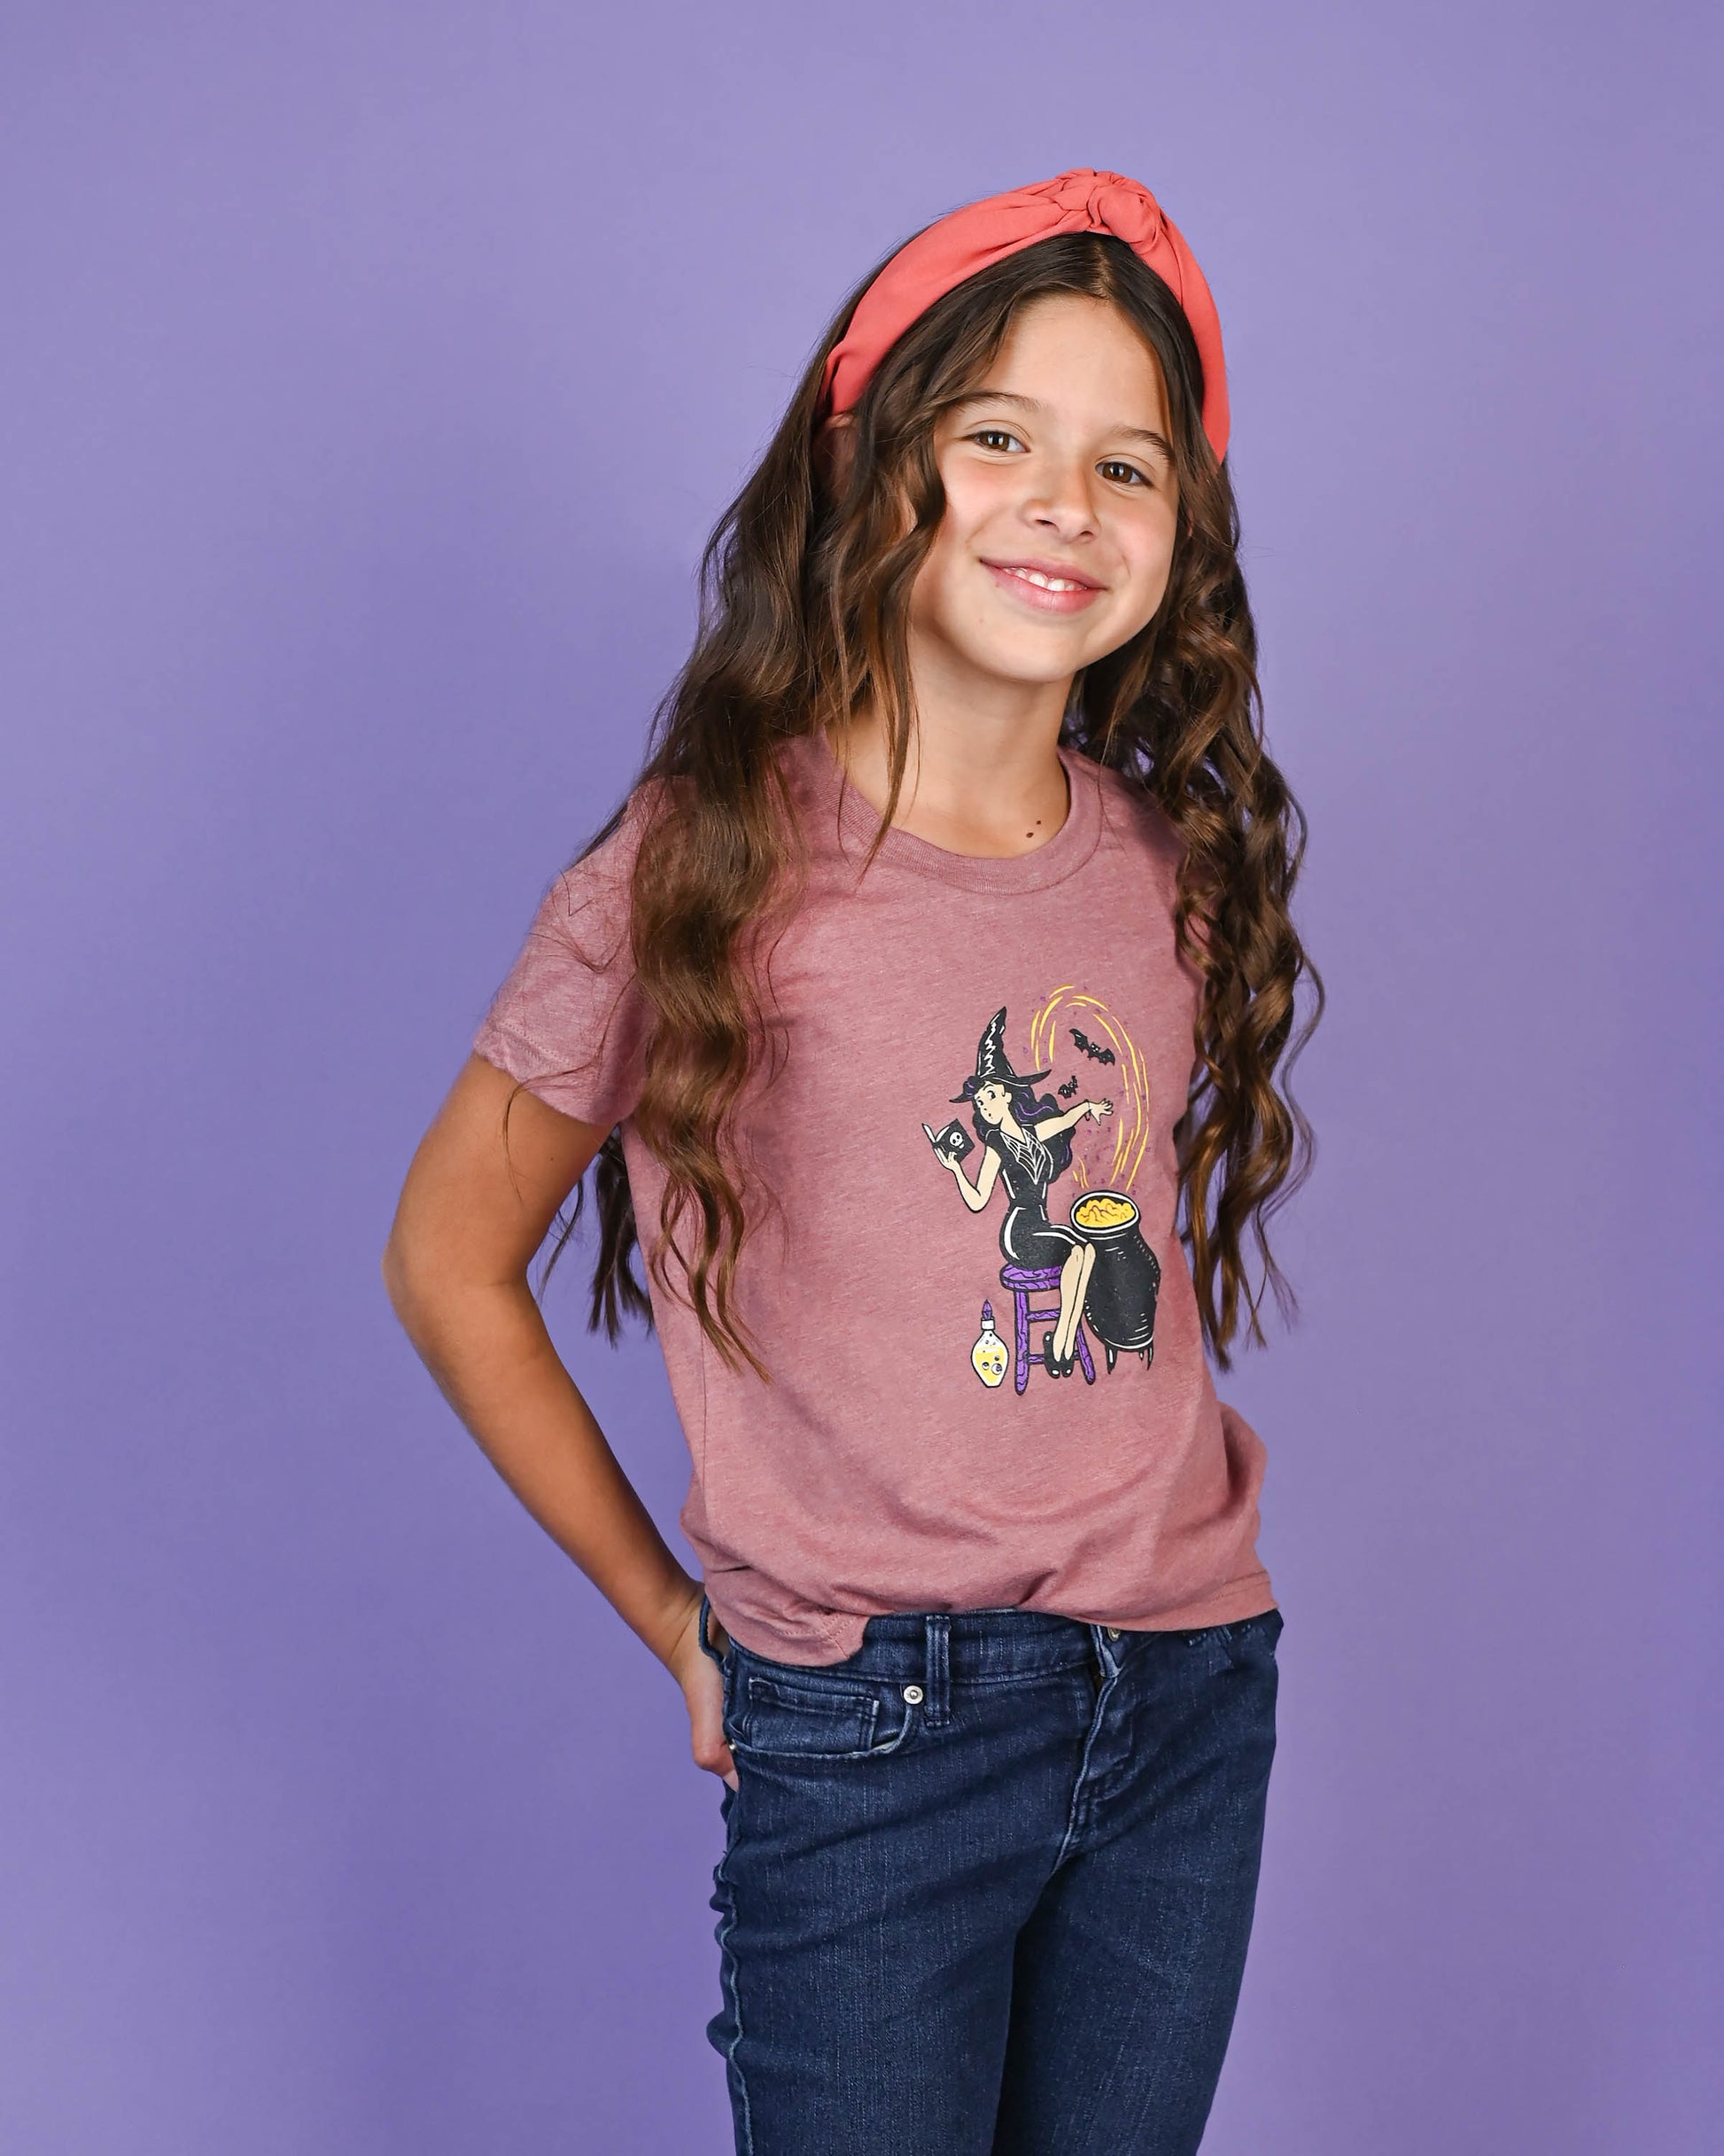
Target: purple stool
[{"x": 1024, "y": 1282}]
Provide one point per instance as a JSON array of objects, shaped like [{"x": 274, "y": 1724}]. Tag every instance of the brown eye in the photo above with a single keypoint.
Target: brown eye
[
  {"x": 995, "y": 438},
  {"x": 1115, "y": 468}
]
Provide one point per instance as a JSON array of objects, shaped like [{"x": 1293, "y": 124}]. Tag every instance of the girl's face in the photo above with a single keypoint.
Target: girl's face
[{"x": 1061, "y": 501}]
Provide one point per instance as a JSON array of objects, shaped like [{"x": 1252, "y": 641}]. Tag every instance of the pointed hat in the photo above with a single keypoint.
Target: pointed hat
[{"x": 992, "y": 1063}]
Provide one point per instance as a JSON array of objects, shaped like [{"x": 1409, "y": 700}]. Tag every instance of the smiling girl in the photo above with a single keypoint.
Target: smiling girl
[{"x": 971, "y": 726}]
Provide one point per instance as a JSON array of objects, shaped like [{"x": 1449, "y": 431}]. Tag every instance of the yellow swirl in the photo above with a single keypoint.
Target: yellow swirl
[{"x": 1125, "y": 1081}]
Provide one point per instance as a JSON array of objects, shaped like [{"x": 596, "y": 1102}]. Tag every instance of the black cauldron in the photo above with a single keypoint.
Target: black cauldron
[{"x": 1119, "y": 1307}]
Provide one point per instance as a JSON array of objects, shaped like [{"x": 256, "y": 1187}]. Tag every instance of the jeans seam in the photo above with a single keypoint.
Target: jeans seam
[
  {"x": 1105, "y": 1687},
  {"x": 727, "y": 1974}
]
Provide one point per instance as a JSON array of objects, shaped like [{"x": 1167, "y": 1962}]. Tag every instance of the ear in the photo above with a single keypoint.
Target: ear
[{"x": 835, "y": 450}]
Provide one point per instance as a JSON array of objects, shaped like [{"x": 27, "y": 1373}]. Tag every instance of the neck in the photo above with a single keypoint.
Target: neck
[{"x": 983, "y": 775}]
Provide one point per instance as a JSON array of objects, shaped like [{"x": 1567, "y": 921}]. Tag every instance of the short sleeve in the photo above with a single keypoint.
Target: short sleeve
[{"x": 569, "y": 1020}]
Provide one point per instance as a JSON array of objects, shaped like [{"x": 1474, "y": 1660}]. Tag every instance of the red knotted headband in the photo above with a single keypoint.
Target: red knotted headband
[{"x": 985, "y": 233}]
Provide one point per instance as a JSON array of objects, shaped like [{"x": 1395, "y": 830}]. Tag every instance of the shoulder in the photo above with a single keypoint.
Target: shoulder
[{"x": 600, "y": 878}]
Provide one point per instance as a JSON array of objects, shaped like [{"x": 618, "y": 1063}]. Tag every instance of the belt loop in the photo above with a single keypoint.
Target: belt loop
[{"x": 936, "y": 1708}]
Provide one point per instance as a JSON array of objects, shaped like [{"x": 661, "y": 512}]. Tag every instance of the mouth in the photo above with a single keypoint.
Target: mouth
[{"x": 1045, "y": 587}]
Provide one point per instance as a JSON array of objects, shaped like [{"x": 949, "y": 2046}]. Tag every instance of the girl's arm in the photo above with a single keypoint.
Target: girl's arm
[{"x": 467, "y": 1225}]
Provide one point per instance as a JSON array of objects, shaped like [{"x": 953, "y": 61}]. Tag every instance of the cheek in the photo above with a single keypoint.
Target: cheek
[
  {"x": 938, "y": 596},
  {"x": 974, "y": 493},
  {"x": 1147, "y": 545},
  {"x": 976, "y": 497}
]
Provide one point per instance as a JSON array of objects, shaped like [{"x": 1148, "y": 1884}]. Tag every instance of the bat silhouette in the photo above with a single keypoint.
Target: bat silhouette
[
  {"x": 1102, "y": 1055},
  {"x": 1069, "y": 1087}
]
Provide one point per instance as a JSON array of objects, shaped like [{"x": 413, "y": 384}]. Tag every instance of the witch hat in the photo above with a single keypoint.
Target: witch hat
[{"x": 993, "y": 1063}]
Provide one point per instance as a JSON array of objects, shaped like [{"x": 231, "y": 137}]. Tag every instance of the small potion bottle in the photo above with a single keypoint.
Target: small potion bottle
[{"x": 989, "y": 1354}]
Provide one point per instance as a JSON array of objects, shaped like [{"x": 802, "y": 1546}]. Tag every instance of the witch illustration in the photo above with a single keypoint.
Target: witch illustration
[{"x": 1026, "y": 1141}]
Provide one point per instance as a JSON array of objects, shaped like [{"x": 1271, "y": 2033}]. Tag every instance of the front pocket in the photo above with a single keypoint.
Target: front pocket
[
  {"x": 789, "y": 1719},
  {"x": 1249, "y": 1637}
]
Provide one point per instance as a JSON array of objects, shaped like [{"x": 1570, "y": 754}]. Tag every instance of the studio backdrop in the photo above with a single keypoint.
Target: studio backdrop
[{"x": 372, "y": 375}]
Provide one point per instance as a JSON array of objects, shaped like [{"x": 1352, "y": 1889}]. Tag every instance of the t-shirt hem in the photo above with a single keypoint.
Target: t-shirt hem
[
  {"x": 1251, "y": 1597},
  {"x": 522, "y": 1058},
  {"x": 842, "y": 1631},
  {"x": 834, "y": 1633}
]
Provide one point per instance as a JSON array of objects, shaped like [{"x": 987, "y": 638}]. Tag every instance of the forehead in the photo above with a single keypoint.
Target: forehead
[{"x": 1081, "y": 357}]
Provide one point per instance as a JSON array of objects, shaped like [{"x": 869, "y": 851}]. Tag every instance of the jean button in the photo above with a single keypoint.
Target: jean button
[
  {"x": 1113, "y": 1632},
  {"x": 914, "y": 1694}
]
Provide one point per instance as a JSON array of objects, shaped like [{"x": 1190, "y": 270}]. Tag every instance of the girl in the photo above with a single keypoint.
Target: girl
[{"x": 971, "y": 725}]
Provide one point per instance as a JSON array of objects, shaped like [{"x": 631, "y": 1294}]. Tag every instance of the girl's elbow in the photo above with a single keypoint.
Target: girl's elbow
[
  {"x": 429, "y": 1276},
  {"x": 398, "y": 1277},
  {"x": 411, "y": 1278}
]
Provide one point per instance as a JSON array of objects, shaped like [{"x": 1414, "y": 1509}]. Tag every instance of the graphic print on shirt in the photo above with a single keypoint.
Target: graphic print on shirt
[{"x": 1093, "y": 1275}]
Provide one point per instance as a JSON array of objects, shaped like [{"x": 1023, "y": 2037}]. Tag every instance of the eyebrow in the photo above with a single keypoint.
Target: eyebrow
[{"x": 1032, "y": 404}]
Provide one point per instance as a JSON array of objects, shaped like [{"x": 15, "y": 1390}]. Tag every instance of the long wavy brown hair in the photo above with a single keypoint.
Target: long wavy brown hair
[{"x": 804, "y": 590}]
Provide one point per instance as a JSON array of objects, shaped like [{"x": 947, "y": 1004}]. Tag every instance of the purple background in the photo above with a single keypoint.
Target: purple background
[{"x": 371, "y": 375}]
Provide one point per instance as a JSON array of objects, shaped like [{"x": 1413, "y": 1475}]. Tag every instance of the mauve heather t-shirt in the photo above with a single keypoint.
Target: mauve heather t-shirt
[{"x": 915, "y": 1451}]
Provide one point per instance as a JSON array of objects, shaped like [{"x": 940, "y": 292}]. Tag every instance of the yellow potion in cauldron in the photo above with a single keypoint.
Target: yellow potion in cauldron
[{"x": 989, "y": 1354}]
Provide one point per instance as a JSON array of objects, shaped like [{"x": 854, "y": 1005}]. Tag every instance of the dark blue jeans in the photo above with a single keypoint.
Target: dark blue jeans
[{"x": 987, "y": 1884}]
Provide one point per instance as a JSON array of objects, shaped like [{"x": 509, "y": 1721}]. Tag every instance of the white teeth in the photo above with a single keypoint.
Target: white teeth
[{"x": 1047, "y": 583}]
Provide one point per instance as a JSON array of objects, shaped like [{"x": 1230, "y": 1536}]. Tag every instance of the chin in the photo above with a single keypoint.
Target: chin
[{"x": 1034, "y": 665}]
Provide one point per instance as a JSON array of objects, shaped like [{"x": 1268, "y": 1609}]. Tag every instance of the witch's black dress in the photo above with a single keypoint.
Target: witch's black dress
[{"x": 1027, "y": 1236}]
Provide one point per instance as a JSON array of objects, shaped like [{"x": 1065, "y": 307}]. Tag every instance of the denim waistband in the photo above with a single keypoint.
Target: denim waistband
[
  {"x": 977, "y": 1643},
  {"x": 938, "y": 1648}
]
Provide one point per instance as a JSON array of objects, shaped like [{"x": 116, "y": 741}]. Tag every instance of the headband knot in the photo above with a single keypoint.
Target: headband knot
[
  {"x": 1103, "y": 202},
  {"x": 973, "y": 238}
]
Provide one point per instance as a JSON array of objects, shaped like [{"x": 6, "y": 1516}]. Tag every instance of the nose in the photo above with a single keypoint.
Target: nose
[{"x": 1060, "y": 504}]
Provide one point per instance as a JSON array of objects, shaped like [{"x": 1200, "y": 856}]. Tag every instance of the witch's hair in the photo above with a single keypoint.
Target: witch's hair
[
  {"x": 804, "y": 591},
  {"x": 1026, "y": 1105}
]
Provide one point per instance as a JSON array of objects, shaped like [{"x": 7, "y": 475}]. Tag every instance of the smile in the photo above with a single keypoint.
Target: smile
[
  {"x": 1048, "y": 591},
  {"x": 1049, "y": 583}
]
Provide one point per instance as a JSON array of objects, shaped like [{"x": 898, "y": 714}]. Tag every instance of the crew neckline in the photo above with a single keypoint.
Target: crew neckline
[{"x": 1070, "y": 846}]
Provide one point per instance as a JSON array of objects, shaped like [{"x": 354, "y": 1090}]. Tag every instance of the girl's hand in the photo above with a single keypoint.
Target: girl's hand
[
  {"x": 702, "y": 1691},
  {"x": 1098, "y": 1108}
]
